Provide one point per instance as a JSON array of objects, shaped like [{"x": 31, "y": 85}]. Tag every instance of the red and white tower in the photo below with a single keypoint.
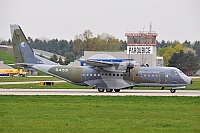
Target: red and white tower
[{"x": 142, "y": 46}]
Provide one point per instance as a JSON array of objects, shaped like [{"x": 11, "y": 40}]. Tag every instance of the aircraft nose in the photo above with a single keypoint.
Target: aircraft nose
[{"x": 188, "y": 80}]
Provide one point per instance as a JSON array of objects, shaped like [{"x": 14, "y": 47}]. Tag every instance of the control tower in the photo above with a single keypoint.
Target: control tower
[{"x": 141, "y": 46}]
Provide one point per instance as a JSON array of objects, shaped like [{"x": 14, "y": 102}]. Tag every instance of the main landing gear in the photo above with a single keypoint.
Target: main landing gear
[{"x": 108, "y": 90}]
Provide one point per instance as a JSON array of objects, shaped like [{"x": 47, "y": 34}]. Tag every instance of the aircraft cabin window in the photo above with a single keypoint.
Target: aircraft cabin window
[
  {"x": 106, "y": 74},
  {"x": 170, "y": 73},
  {"x": 152, "y": 75},
  {"x": 121, "y": 75},
  {"x": 136, "y": 75},
  {"x": 117, "y": 74},
  {"x": 90, "y": 74},
  {"x": 95, "y": 74},
  {"x": 113, "y": 74},
  {"x": 87, "y": 74},
  {"x": 145, "y": 75},
  {"x": 98, "y": 74},
  {"x": 109, "y": 74},
  {"x": 148, "y": 75},
  {"x": 175, "y": 73}
]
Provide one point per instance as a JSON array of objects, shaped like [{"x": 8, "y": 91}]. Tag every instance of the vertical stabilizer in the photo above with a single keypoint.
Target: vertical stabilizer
[{"x": 22, "y": 51}]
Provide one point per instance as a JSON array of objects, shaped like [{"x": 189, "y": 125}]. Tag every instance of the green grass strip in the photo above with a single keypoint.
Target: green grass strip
[{"x": 99, "y": 114}]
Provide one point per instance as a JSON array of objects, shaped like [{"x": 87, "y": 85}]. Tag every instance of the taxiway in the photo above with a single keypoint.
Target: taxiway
[{"x": 94, "y": 92}]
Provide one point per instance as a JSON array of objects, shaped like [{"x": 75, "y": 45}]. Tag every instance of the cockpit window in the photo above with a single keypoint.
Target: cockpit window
[
  {"x": 180, "y": 72},
  {"x": 176, "y": 72},
  {"x": 173, "y": 73}
]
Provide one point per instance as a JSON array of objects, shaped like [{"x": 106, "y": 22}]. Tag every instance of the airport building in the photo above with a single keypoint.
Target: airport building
[{"x": 142, "y": 47}]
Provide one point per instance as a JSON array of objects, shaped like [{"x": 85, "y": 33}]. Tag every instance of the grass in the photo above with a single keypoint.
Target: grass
[
  {"x": 99, "y": 114},
  {"x": 7, "y": 58},
  {"x": 40, "y": 73}
]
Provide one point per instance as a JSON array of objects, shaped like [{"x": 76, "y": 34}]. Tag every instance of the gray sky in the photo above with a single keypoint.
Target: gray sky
[{"x": 63, "y": 19}]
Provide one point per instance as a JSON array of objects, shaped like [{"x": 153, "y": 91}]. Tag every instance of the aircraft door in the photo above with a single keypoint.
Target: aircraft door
[
  {"x": 162, "y": 78},
  {"x": 133, "y": 73},
  {"x": 78, "y": 75}
]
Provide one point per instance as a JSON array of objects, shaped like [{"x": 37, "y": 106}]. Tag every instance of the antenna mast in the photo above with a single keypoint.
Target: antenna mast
[{"x": 150, "y": 27}]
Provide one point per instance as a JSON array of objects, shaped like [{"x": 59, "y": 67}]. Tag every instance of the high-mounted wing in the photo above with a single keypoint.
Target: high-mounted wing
[
  {"x": 96, "y": 63},
  {"x": 107, "y": 66}
]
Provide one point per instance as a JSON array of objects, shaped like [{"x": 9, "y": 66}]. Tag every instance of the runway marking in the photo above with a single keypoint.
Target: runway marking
[{"x": 94, "y": 92}]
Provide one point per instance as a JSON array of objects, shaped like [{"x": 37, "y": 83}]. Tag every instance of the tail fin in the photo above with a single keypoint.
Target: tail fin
[{"x": 22, "y": 51}]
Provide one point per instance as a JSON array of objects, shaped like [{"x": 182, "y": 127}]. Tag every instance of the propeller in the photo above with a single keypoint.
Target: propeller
[{"x": 129, "y": 65}]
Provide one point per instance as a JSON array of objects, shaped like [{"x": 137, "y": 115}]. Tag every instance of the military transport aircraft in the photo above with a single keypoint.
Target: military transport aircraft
[{"x": 102, "y": 75}]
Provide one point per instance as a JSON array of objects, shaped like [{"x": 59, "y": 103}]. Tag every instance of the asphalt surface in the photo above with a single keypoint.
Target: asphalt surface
[
  {"x": 27, "y": 82},
  {"x": 94, "y": 92}
]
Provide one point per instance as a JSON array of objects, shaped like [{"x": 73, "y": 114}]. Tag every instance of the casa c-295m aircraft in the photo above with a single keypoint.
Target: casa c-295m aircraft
[{"x": 105, "y": 76}]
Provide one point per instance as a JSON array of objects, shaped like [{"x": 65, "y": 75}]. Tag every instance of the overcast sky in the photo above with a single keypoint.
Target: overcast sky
[{"x": 63, "y": 19}]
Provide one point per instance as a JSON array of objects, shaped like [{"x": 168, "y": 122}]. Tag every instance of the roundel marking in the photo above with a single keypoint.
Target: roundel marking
[{"x": 23, "y": 44}]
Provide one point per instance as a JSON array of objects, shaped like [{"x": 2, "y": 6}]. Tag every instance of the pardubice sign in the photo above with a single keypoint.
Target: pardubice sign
[{"x": 139, "y": 49}]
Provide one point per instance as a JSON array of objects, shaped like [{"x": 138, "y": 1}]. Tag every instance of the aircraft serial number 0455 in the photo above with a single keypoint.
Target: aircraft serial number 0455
[
  {"x": 139, "y": 50},
  {"x": 61, "y": 70}
]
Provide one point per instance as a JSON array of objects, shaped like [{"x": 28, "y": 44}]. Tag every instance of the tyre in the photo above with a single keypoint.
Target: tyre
[
  {"x": 173, "y": 90},
  {"x": 100, "y": 90},
  {"x": 117, "y": 90},
  {"x": 109, "y": 90}
]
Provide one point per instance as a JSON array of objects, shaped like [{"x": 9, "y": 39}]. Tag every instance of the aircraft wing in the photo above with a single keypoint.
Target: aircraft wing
[{"x": 97, "y": 63}]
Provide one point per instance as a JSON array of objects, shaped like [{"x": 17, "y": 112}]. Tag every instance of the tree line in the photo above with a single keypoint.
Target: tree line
[
  {"x": 185, "y": 56},
  {"x": 74, "y": 49}
]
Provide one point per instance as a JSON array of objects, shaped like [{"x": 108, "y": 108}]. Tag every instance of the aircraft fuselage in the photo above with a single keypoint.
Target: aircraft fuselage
[{"x": 137, "y": 76}]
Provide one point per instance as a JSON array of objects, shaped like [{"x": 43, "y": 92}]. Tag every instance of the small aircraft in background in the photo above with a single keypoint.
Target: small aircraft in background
[{"x": 105, "y": 76}]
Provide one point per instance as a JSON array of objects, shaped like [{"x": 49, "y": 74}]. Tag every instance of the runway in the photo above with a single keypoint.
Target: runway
[{"x": 94, "y": 92}]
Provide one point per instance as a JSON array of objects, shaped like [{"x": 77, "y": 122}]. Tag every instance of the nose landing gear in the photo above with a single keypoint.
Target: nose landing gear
[{"x": 173, "y": 90}]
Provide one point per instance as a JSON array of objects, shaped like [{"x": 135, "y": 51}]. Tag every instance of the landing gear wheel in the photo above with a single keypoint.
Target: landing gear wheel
[
  {"x": 109, "y": 90},
  {"x": 173, "y": 90},
  {"x": 117, "y": 90},
  {"x": 101, "y": 90}
]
